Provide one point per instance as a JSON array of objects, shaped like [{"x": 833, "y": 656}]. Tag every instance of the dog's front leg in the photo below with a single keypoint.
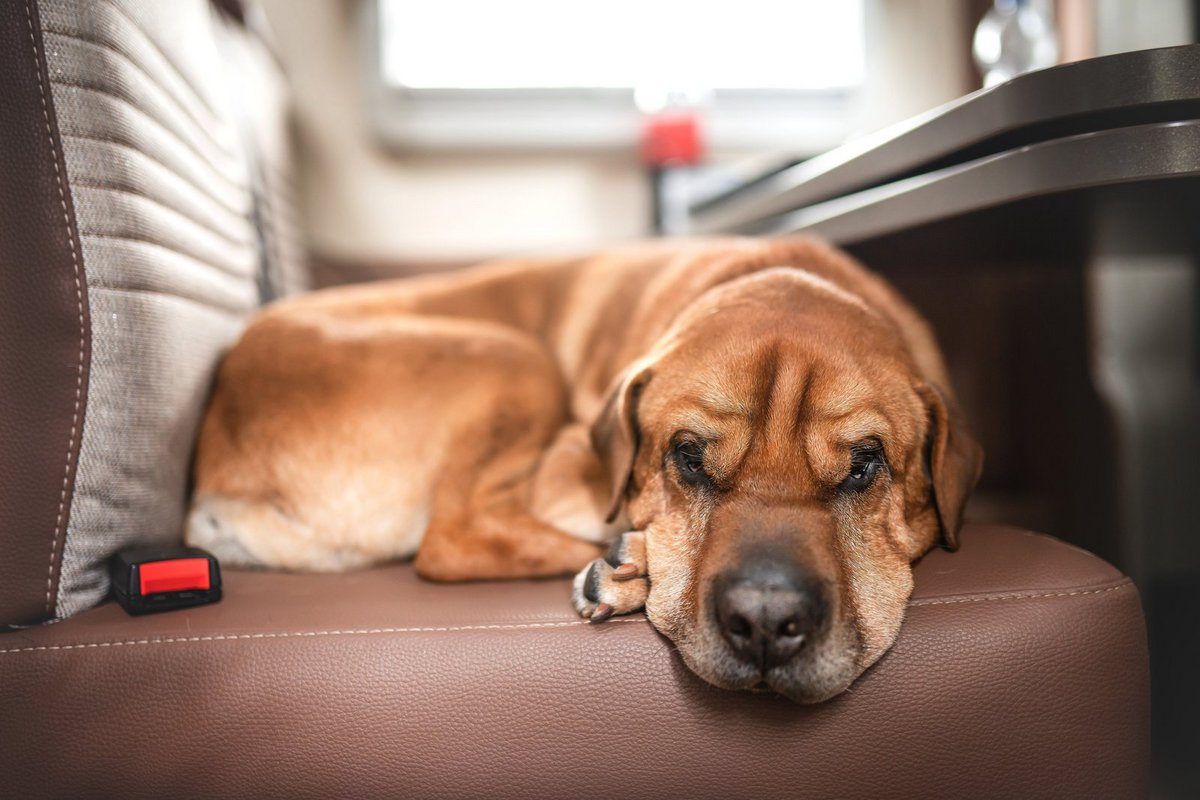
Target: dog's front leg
[{"x": 616, "y": 584}]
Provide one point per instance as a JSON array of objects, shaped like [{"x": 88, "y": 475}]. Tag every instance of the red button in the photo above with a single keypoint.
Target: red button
[
  {"x": 173, "y": 576},
  {"x": 671, "y": 138}
]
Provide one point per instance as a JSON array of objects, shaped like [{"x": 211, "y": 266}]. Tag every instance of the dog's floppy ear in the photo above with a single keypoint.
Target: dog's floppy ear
[
  {"x": 953, "y": 460},
  {"x": 615, "y": 434}
]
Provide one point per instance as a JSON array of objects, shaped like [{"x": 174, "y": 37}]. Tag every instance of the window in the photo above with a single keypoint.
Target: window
[{"x": 554, "y": 74}]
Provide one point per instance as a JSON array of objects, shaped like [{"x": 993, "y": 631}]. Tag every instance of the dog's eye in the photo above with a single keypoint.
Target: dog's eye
[
  {"x": 865, "y": 463},
  {"x": 689, "y": 458}
]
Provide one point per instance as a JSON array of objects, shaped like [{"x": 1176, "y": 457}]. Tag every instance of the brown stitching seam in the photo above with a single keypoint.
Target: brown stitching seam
[
  {"x": 302, "y": 634},
  {"x": 998, "y": 597},
  {"x": 72, "y": 244}
]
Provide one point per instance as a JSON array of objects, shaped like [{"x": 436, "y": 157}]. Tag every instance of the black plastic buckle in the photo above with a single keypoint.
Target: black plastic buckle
[{"x": 150, "y": 579}]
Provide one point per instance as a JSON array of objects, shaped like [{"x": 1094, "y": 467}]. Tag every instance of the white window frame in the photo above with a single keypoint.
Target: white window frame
[{"x": 795, "y": 121}]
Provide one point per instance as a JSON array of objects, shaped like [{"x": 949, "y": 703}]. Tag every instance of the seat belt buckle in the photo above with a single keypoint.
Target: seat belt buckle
[{"x": 146, "y": 580}]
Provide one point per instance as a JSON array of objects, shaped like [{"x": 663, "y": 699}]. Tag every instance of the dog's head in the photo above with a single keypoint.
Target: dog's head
[{"x": 787, "y": 463}]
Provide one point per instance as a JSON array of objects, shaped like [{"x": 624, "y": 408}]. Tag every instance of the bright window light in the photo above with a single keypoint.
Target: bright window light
[{"x": 622, "y": 44}]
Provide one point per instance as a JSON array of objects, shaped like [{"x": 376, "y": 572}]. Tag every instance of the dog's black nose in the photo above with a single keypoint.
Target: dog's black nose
[{"x": 768, "y": 611}]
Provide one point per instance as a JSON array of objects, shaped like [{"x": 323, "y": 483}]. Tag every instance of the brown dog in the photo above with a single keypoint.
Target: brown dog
[{"x": 763, "y": 430}]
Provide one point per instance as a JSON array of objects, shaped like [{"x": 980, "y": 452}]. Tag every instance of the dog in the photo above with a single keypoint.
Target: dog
[{"x": 753, "y": 440}]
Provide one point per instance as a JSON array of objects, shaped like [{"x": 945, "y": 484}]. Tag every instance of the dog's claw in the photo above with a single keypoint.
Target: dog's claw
[
  {"x": 601, "y": 613},
  {"x": 617, "y": 584}
]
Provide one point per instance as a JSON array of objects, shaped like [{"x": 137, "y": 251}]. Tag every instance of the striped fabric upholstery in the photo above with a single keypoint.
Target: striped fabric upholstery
[{"x": 173, "y": 128}]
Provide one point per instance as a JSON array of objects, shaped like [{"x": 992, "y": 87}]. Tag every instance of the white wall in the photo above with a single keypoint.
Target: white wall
[
  {"x": 1124, "y": 25},
  {"x": 361, "y": 203},
  {"x": 917, "y": 58}
]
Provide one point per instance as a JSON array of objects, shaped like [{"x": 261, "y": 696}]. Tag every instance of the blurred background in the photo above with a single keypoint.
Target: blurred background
[
  {"x": 426, "y": 140},
  {"x": 431, "y": 135}
]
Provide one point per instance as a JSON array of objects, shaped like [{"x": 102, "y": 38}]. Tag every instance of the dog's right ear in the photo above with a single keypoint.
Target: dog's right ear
[
  {"x": 954, "y": 461},
  {"x": 615, "y": 434}
]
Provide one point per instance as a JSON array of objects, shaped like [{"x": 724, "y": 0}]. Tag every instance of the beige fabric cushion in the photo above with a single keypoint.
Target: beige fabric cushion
[{"x": 163, "y": 172}]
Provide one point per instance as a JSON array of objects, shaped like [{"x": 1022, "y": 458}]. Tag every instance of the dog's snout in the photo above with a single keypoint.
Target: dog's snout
[{"x": 768, "y": 612}]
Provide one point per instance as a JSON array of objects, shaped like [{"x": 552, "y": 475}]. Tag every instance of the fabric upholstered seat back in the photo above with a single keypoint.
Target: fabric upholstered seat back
[{"x": 144, "y": 214}]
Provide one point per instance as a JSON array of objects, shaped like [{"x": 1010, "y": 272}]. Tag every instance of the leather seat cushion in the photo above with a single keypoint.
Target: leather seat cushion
[{"x": 1021, "y": 671}]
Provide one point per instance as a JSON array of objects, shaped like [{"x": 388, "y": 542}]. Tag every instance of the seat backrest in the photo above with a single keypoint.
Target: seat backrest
[{"x": 145, "y": 212}]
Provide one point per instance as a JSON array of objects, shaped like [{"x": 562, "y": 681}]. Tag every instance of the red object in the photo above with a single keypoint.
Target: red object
[
  {"x": 173, "y": 576},
  {"x": 671, "y": 138}
]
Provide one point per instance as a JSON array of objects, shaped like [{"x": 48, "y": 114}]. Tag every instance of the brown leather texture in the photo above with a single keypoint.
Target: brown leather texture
[
  {"x": 44, "y": 327},
  {"x": 1021, "y": 671}
]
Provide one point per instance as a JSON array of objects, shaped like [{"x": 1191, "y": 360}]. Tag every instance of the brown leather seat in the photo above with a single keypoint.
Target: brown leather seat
[
  {"x": 134, "y": 214},
  {"x": 1021, "y": 671}
]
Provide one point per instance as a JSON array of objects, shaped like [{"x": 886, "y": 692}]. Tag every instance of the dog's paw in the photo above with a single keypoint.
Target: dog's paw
[{"x": 616, "y": 584}]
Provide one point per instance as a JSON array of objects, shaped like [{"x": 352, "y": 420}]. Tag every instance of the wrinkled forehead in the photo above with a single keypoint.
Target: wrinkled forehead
[{"x": 803, "y": 384}]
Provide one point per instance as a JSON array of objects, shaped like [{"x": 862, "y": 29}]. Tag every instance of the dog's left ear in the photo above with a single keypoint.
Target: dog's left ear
[
  {"x": 953, "y": 459},
  {"x": 615, "y": 434}
]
